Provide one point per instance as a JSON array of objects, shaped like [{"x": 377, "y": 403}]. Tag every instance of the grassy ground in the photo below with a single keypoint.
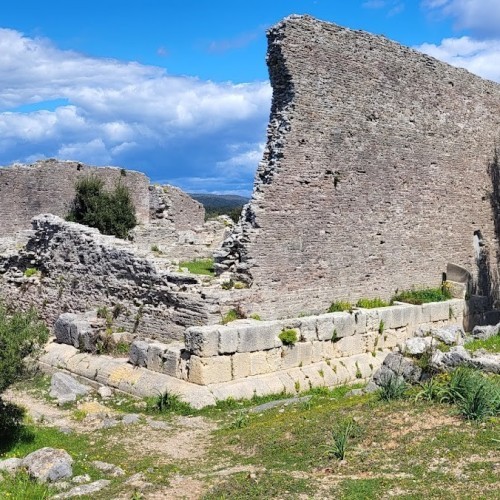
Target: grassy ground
[
  {"x": 491, "y": 345},
  {"x": 404, "y": 449},
  {"x": 199, "y": 266}
]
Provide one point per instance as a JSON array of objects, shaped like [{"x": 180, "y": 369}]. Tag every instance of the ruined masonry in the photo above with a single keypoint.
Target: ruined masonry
[{"x": 379, "y": 169}]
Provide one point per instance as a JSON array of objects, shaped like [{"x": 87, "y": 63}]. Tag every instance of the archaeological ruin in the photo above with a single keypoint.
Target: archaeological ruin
[{"x": 380, "y": 174}]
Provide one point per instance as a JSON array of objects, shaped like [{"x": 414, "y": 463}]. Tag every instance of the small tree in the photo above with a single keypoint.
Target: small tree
[
  {"x": 21, "y": 335},
  {"x": 112, "y": 212}
]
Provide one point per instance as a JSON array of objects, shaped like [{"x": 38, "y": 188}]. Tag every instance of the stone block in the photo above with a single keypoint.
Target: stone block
[
  {"x": 343, "y": 324},
  {"x": 307, "y": 327},
  {"x": 155, "y": 356},
  {"x": 360, "y": 322},
  {"x": 287, "y": 381},
  {"x": 258, "y": 363},
  {"x": 228, "y": 340},
  {"x": 372, "y": 320},
  {"x": 202, "y": 341},
  {"x": 324, "y": 326},
  {"x": 440, "y": 311},
  {"x": 314, "y": 374},
  {"x": 300, "y": 381},
  {"x": 171, "y": 361},
  {"x": 327, "y": 347},
  {"x": 259, "y": 338},
  {"x": 289, "y": 357},
  {"x": 273, "y": 357},
  {"x": 317, "y": 351},
  {"x": 457, "y": 307},
  {"x": 214, "y": 370},
  {"x": 371, "y": 341},
  {"x": 62, "y": 329},
  {"x": 138, "y": 355},
  {"x": 240, "y": 365},
  {"x": 304, "y": 353},
  {"x": 350, "y": 346}
]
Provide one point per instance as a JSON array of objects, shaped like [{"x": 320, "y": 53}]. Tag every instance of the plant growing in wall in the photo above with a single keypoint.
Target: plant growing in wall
[
  {"x": 288, "y": 337},
  {"x": 112, "y": 212}
]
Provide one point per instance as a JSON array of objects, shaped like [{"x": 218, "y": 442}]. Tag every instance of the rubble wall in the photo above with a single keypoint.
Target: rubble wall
[
  {"x": 48, "y": 186},
  {"x": 375, "y": 175}
]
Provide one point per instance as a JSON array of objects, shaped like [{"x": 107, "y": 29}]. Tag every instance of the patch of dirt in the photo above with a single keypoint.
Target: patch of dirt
[{"x": 181, "y": 487}]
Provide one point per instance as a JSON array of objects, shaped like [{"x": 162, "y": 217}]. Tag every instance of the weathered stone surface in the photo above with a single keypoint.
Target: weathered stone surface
[
  {"x": 396, "y": 364},
  {"x": 485, "y": 332},
  {"x": 417, "y": 345},
  {"x": 111, "y": 469},
  {"x": 10, "y": 465},
  {"x": 450, "y": 335},
  {"x": 330, "y": 143},
  {"x": 204, "y": 371},
  {"x": 48, "y": 464},
  {"x": 131, "y": 418},
  {"x": 65, "y": 388},
  {"x": 84, "y": 489},
  {"x": 138, "y": 355},
  {"x": 202, "y": 341}
]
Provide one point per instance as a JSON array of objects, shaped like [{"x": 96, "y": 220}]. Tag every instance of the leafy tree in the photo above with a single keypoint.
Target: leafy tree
[{"x": 112, "y": 212}]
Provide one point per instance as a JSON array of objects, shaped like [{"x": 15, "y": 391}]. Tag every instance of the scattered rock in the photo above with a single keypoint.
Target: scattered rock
[
  {"x": 66, "y": 430},
  {"x": 155, "y": 424},
  {"x": 355, "y": 392},
  {"x": 112, "y": 470},
  {"x": 485, "y": 332},
  {"x": 445, "y": 360},
  {"x": 84, "y": 489},
  {"x": 105, "y": 392},
  {"x": 10, "y": 464},
  {"x": 417, "y": 345},
  {"x": 65, "y": 388},
  {"x": 450, "y": 335},
  {"x": 397, "y": 364},
  {"x": 487, "y": 362},
  {"x": 280, "y": 402},
  {"x": 48, "y": 464},
  {"x": 131, "y": 418},
  {"x": 85, "y": 478},
  {"x": 108, "y": 423}
]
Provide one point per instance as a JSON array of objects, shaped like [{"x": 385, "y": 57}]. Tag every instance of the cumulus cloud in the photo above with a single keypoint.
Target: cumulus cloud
[
  {"x": 481, "y": 17},
  {"x": 122, "y": 113},
  {"x": 478, "y": 56}
]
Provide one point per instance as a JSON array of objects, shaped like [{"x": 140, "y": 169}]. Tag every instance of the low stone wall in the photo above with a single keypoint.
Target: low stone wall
[{"x": 331, "y": 348}]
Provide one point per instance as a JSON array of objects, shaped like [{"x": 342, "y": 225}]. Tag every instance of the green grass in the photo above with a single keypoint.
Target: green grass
[
  {"x": 199, "y": 266},
  {"x": 288, "y": 337},
  {"x": 340, "y": 306},
  {"x": 371, "y": 303},
  {"x": 419, "y": 296},
  {"x": 491, "y": 345}
]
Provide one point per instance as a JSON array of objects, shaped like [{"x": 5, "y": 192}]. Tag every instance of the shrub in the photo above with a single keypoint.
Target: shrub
[
  {"x": 423, "y": 295},
  {"x": 340, "y": 306},
  {"x": 371, "y": 303},
  {"x": 31, "y": 271},
  {"x": 392, "y": 387},
  {"x": 288, "y": 337},
  {"x": 112, "y": 212}
]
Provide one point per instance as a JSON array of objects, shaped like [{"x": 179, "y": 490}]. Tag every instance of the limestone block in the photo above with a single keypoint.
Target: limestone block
[
  {"x": 360, "y": 320},
  {"x": 241, "y": 365},
  {"x": 138, "y": 355},
  {"x": 202, "y": 341},
  {"x": 457, "y": 307},
  {"x": 273, "y": 358},
  {"x": 236, "y": 389},
  {"x": 63, "y": 331},
  {"x": 171, "y": 360},
  {"x": 393, "y": 338},
  {"x": 214, "y": 370},
  {"x": 317, "y": 351},
  {"x": 258, "y": 363},
  {"x": 426, "y": 313},
  {"x": 361, "y": 366},
  {"x": 304, "y": 352},
  {"x": 349, "y": 346},
  {"x": 372, "y": 320},
  {"x": 307, "y": 327},
  {"x": 155, "y": 356},
  {"x": 300, "y": 381},
  {"x": 327, "y": 347},
  {"x": 324, "y": 326},
  {"x": 440, "y": 311},
  {"x": 228, "y": 340},
  {"x": 371, "y": 341},
  {"x": 314, "y": 374},
  {"x": 289, "y": 357},
  {"x": 259, "y": 338},
  {"x": 340, "y": 370},
  {"x": 343, "y": 324},
  {"x": 415, "y": 317},
  {"x": 274, "y": 383},
  {"x": 386, "y": 315},
  {"x": 287, "y": 381}
]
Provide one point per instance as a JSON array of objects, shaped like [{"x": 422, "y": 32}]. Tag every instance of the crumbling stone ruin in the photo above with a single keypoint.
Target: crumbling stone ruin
[
  {"x": 380, "y": 173},
  {"x": 379, "y": 169}
]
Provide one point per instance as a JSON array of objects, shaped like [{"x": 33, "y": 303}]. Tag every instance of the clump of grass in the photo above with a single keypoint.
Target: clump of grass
[
  {"x": 256, "y": 317},
  {"x": 420, "y": 296},
  {"x": 288, "y": 337},
  {"x": 392, "y": 387},
  {"x": 341, "y": 434},
  {"x": 371, "y": 303},
  {"x": 240, "y": 421},
  {"x": 232, "y": 315},
  {"x": 168, "y": 402},
  {"x": 491, "y": 345},
  {"x": 199, "y": 266},
  {"x": 339, "y": 306},
  {"x": 31, "y": 271}
]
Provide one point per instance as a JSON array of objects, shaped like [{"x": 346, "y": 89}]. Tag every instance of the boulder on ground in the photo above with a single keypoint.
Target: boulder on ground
[
  {"x": 450, "y": 335},
  {"x": 48, "y": 464},
  {"x": 65, "y": 388},
  {"x": 485, "y": 332},
  {"x": 10, "y": 464}
]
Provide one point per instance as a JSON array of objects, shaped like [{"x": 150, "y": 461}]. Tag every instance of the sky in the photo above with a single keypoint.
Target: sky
[{"x": 179, "y": 89}]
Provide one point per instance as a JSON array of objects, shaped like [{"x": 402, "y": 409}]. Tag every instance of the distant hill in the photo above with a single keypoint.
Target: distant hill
[
  {"x": 219, "y": 204},
  {"x": 219, "y": 200}
]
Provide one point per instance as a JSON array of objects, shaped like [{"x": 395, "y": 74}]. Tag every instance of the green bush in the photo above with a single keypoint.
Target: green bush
[
  {"x": 340, "y": 306},
  {"x": 112, "y": 212},
  {"x": 288, "y": 337},
  {"x": 371, "y": 303},
  {"x": 423, "y": 295}
]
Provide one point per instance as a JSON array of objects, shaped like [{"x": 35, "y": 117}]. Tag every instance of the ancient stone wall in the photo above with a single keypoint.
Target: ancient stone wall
[
  {"x": 48, "y": 186},
  {"x": 68, "y": 267},
  {"x": 376, "y": 174}
]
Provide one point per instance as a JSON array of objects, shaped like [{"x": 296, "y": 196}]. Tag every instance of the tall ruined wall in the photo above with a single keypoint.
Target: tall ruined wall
[
  {"x": 376, "y": 172},
  {"x": 48, "y": 186}
]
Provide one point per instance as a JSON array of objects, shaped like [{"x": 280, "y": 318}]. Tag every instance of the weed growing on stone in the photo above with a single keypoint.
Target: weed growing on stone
[
  {"x": 381, "y": 327},
  {"x": 232, "y": 315},
  {"x": 340, "y": 306},
  {"x": 288, "y": 337},
  {"x": 371, "y": 303},
  {"x": 423, "y": 295},
  {"x": 256, "y": 317}
]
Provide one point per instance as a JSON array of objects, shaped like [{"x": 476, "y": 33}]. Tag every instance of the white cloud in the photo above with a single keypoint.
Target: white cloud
[
  {"x": 481, "y": 17},
  {"x": 478, "y": 56},
  {"x": 123, "y": 113}
]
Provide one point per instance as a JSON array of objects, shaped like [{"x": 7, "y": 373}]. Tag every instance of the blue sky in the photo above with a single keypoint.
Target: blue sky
[{"x": 179, "y": 88}]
